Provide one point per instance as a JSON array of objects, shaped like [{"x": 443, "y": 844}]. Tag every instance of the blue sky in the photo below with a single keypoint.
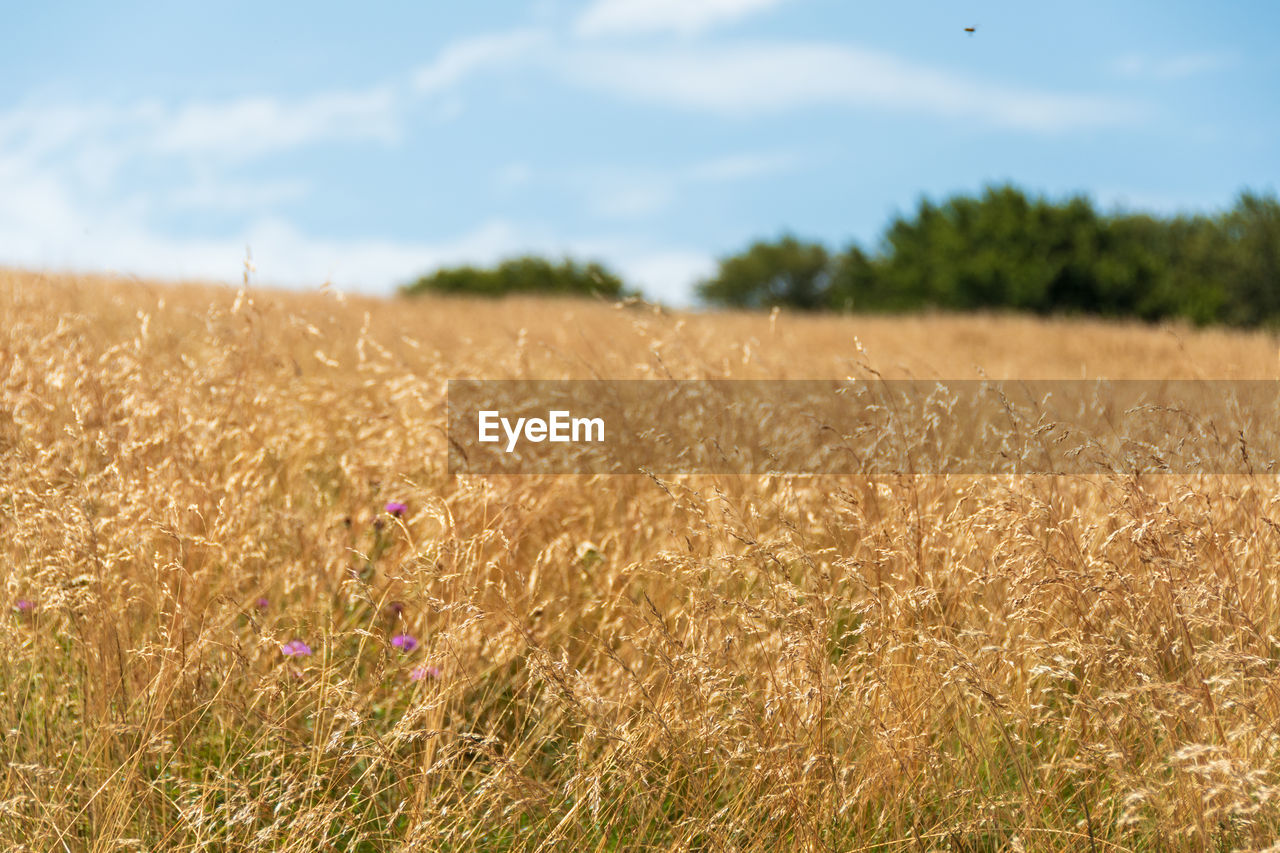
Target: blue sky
[{"x": 363, "y": 146}]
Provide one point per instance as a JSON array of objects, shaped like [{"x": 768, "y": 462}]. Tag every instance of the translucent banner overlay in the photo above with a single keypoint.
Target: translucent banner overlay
[{"x": 856, "y": 426}]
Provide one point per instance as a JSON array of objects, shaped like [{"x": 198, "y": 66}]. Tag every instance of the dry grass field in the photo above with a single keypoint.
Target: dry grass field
[{"x": 218, "y": 637}]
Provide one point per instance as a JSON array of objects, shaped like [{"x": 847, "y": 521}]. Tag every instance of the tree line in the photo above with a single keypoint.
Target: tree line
[
  {"x": 1000, "y": 250},
  {"x": 1008, "y": 251},
  {"x": 526, "y": 274}
]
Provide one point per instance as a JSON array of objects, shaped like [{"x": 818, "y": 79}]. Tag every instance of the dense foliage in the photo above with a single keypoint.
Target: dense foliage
[
  {"x": 1006, "y": 250},
  {"x": 787, "y": 272},
  {"x": 526, "y": 274}
]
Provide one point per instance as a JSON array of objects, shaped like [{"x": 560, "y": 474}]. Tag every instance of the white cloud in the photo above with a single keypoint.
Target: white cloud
[
  {"x": 104, "y": 136},
  {"x": 748, "y": 79},
  {"x": 466, "y": 57},
  {"x": 35, "y": 128},
  {"x": 752, "y": 79},
  {"x": 236, "y": 195},
  {"x": 53, "y": 217},
  {"x": 92, "y": 141},
  {"x": 63, "y": 205},
  {"x": 251, "y": 127},
  {"x": 45, "y": 228},
  {"x": 45, "y": 223},
  {"x": 288, "y": 255},
  {"x": 687, "y": 17},
  {"x": 1138, "y": 66}
]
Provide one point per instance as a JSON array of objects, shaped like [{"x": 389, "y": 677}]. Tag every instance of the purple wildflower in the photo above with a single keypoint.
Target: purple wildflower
[
  {"x": 396, "y": 508},
  {"x": 24, "y": 605},
  {"x": 420, "y": 672},
  {"x": 395, "y": 608},
  {"x": 262, "y": 603},
  {"x": 404, "y": 642},
  {"x": 295, "y": 648}
]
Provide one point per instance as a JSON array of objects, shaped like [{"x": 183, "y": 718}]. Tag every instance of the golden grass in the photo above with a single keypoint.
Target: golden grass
[{"x": 697, "y": 663}]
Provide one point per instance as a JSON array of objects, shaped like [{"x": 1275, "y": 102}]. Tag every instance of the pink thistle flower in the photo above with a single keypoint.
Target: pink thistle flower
[
  {"x": 404, "y": 642},
  {"x": 420, "y": 672},
  {"x": 262, "y": 603},
  {"x": 24, "y": 605},
  {"x": 396, "y": 508},
  {"x": 295, "y": 648}
]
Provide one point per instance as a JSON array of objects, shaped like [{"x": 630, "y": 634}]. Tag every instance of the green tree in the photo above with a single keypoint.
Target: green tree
[
  {"x": 527, "y": 274},
  {"x": 1001, "y": 250},
  {"x": 786, "y": 272},
  {"x": 1249, "y": 260},
  {"x": 856, "y": 283}
]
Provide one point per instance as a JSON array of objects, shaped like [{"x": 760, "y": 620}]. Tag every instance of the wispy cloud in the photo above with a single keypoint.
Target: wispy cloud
[
  {"x": 686, "y": 17},
  {"x": 250, "y": 127},
  {"x": 754, "y": 78},
  {"x": 65, "y": 205},
  {"x": 468, "y": 56},
  {"x": 48, "y": 220},
  {"x": 48, "y": 225},
  {"x": 751, "y": 79},
  {"x": 1138, "y": 66},
  {"x": 239, "y": 129},
  {"x": 66, "y": 194},
  {"x": 65, "y": 201},
  {"x": 208, "y": 193}
]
